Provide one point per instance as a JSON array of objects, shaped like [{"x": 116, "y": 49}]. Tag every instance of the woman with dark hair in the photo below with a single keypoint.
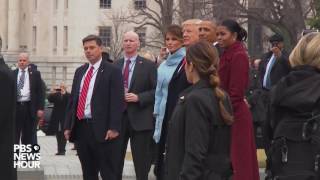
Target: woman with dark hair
[
  {"x": 176, "y": 53},
  {"x": 234, "y": 74},
  {"x": 198, "y": 143}
]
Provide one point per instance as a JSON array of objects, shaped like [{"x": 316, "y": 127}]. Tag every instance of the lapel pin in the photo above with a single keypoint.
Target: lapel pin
[
  {"x": 102, "y": 70},
  {"x": 140, "y": 62}
]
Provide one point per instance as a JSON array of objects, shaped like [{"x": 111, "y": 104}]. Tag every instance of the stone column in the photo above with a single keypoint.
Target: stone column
[
  {"x": 13, "y": 26},
  {"x": 4, "y": 23}
]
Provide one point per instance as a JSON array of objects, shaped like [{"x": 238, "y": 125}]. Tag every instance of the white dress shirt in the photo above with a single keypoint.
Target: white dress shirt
[
  {"x": 25, "y": 91},
  {"x": 87, "y": 108}
]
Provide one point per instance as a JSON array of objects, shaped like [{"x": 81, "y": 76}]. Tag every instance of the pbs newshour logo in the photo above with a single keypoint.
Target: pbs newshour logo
[{"x": 26, "y": 156}]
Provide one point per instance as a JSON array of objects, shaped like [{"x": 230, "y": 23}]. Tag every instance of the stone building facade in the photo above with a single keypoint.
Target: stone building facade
[{"x": 51, "y": 31}]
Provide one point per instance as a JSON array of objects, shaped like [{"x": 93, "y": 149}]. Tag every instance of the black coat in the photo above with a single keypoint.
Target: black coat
[
  {"x": 36, "y": 91},
  {"x": 294, "y": 99},
  {"x": 7, "y": 122},
  {"x": 298, "y": 92},
  {"x": 177, "y": 84},
  {"x": 196, "y": 135},
  {"x": 143, "y": 83},
  {"x": 280, "y": 68},
  {"x": 60, "y": 102},
  {"x": 106, "y": 103}
]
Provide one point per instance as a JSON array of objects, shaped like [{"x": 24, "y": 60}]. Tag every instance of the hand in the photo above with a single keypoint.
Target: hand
[
  {"x": 163, "y": 53},
  {"x": 111, "y": 134},
  {"x": 131, "y": 97},
  {"x": 247, "y": 103},
  {"x": 41, "y": 122},
  {"x": 276, "y": 51},
  {"x": 63, "y": 91},
  {"x": 40, "y": 114},
  {"x": 67, "y": 134}
]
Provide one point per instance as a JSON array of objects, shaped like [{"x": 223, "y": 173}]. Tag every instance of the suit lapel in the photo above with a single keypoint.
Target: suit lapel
[
  {"x": 30, "y": 79},
  {"x": 98, "y": 77},
  {"x": 16, "y": 72},
  {"x": 79, "y": 78},
  {"x": 137, "y": 67},
  {"x": 177, "y": 73},
  {"x": 119, "y": 63}
]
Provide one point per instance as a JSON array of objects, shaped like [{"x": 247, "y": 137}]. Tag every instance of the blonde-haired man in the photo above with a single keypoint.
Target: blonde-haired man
[{"x": 190, "y": 30}]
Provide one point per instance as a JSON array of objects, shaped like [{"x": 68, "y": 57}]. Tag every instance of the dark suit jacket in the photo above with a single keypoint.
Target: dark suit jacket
[
  {"x": 58, "y": 114},
  {"x": 7, "y": 122},
  {"x": 36, "y": 91},
  {"x": 143, "y": 83},
  {"x": 106, "y": 103},
  {"x": 280, "y": 68},
  {"x": 177, "y": 84}
]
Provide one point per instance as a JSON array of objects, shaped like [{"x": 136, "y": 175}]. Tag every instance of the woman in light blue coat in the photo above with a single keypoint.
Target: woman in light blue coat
[{"x": 175, "y": 54}]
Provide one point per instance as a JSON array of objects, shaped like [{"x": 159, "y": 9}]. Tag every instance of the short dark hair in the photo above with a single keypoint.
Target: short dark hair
[
  {"x": 276, "y": 38},
  {"x": 92, "y": 37}
]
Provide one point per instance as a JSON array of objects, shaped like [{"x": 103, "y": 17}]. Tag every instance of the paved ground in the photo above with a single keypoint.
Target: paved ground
[
  {"x": 68, "y": 167},
  {"x": 64, "y": 167}
]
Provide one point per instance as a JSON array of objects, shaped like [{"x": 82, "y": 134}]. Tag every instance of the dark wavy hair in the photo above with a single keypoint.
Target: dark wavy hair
[
  {"x": 205, "y": 59},
  {"x": 234, "y": 27}
]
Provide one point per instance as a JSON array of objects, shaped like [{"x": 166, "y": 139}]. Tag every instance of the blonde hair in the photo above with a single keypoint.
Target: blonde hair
[
  {"x": 307, "y": 51},
  {"x": 191, "y": 22}
]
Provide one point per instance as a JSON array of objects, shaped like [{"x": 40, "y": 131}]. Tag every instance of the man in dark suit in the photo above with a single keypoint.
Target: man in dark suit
[
  {"x": 139, "y": 77},
  {"x": 93, "y": 119},
  {"x": 275, "y": 63},
  {"x": 7, "y": 121},
  {"x": 106, "y": 57},
  {"x": 59, "y": 96},
  {"x": 30, "y": 100}
]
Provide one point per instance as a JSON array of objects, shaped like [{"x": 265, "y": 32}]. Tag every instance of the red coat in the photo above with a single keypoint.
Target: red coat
[{"x": 234, "y": 76}]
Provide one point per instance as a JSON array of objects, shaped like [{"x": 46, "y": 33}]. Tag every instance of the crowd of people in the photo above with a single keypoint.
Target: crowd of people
[{"x": 200, "y": 113}]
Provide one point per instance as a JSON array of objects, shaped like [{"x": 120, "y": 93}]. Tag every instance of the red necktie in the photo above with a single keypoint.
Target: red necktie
[
  {"x": 126, "y": 74},
  {"x": 83, "y": 94}
]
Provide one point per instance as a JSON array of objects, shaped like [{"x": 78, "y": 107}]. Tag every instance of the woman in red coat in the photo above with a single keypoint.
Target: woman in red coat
[{"x": 234, "y": 75}]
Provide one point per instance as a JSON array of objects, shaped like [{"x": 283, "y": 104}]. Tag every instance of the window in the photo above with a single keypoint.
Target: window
[
  {"x": 54, "y": 76},
  {"x": 65, "y": 38},
  {"x": 35, "y": 5},
  {"x": 105, "y": 35},
  {"x": 55, "y": 38},
  {"x": 105, "y": 4},
  {"x": 55, "y": 5},
  {"x": 66, "y": 4},
  {"x": 140, "y": 4},
  {"x": 34, "y": 38},
  {"x": 64, "y": 74},
  {"x": 142, "y": 36}
]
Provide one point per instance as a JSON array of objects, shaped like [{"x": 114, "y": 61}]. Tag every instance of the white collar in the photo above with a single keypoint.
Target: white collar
[
  {"x": 25, "y": 70},
  {"x": 96, "y": 65}
]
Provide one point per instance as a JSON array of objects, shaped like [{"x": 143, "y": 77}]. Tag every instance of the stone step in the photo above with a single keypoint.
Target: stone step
[{"x": 31, "y": 174}]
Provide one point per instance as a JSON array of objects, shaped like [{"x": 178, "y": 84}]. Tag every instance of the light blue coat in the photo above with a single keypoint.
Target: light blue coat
[{"x": 165, "y": 72}]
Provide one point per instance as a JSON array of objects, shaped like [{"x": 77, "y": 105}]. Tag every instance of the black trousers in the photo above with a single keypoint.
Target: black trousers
[
  {"x": 159, "y": 169},
  {"x": 24, "y": 124},
  {"x": 140, "y": 142},
  {"x": 61, "y": 142},
  {"x": 95, "y": 157}
]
